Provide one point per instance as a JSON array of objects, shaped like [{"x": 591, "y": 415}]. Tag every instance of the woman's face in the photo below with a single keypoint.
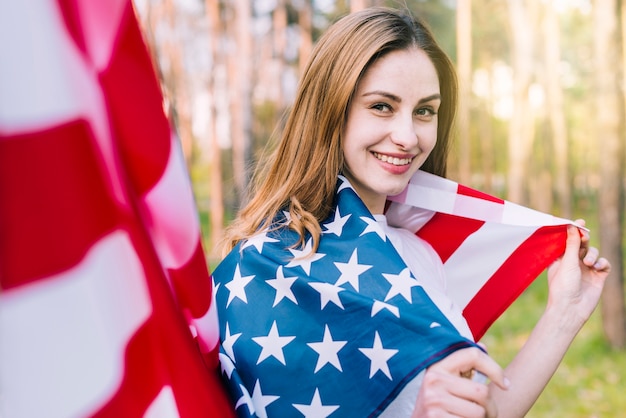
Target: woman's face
[{"x": 392, "y": 125}]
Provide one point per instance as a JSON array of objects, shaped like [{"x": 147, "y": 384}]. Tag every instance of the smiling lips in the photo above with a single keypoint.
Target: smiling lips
[{"x": 393, "y": 160}]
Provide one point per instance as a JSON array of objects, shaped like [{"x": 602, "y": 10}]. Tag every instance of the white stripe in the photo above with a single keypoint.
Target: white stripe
[
  {"x": 207, "y": 328},
  {"x": 100, "y": 22},
  {"x": 174, "y": 226},
  {"x": 434, "y": 182},
  {"x": 476, "y": 208},
  {"x": 431, "y": 198},
  {"x": 438, "y": 194},
  {"x": 468, "y": 269},
  {"x": 163, "y": 406},
  {"x": 63, "y": 339},
  {"x": 408, "y": 217},
  {"x": 45, "y": 81},
  {"x": 519, "y": 215}
]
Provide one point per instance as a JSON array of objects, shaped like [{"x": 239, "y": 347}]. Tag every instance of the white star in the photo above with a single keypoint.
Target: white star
[
  {"x": 379, "y": 306},
  {"x": 272, "y": 345},
  {"x": 336, "y": 226},
  {"x": 214, "y": 287},
  {"x": 226, "y": 364},
  {"x": 304, "y": 258},
  {"x": 372, "y": 226},
  {"x": 401, "y": 284},
  {"x": 282, "y": 285},
  {"x": 237, "y": 286},
  {"x": 327, "y": 350},
  {"x": 257, "y": 241},
  {"x": 316, "y": 409},
  {"x": 345, "y": 184},
  {"x": 245, "y": 400},
  {"x": 260, "y": 401},
  {"x": 328, "y": 293},
  {"x": 350, "y": 271},
  {"x": 379, "y": 357},
  {"x": 229, "y": 341}
]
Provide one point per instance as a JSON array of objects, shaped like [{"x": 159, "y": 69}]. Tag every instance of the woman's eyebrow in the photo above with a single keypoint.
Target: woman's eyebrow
[
  {"x": 436, "y": 96},
  {"x": 388, "y": 95},
  {"x": 398, "y": 99}
]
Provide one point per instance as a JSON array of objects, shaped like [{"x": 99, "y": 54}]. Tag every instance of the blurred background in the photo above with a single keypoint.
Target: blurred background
[{"x": 540, "y": 123}]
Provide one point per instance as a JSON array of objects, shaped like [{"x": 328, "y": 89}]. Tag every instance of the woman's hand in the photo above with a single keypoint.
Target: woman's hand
[
  {"x": 576, "y": 280},
  {"x": 446, "y": 393}
]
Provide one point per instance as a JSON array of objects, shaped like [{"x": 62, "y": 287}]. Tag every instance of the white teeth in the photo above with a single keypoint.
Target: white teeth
[{"x": 393, "y": 160}]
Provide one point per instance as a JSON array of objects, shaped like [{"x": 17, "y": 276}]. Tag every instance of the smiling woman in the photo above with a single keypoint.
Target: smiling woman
[
  {"x": 325, "y": 307},
  {"x": 392, "y": 125}
]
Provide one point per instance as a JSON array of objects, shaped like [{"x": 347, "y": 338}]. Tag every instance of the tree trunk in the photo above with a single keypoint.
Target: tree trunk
[
  {"x": 485, "y": 136},
  {"x": 521, "y": 125},
  {"x": 464, "y": 70},
  {"x": 610, "y": 139},
  {"x": 305, "y": 22},
  {"x": 178, "y": 83},
  {"x": 554, "y": 97},
  {"x": 216, "y": 192},
  {"x": 240, "y": 89},
  {"x": 280, "y": 45},
  {"x": 356, "y": 5}
]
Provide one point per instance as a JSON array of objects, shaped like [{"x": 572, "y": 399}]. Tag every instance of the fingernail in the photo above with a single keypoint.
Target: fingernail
[{"x": 507, "y": 382}]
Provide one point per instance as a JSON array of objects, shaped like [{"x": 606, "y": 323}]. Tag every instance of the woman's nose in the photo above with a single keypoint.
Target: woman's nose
[{"x": 404, "y": 133}]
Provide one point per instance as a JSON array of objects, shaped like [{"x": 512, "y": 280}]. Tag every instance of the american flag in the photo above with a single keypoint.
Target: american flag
[
  {"x": 342, "y": 331},
  {"x": 492, "y": 249},
  {"x": 105, "y": 302}
]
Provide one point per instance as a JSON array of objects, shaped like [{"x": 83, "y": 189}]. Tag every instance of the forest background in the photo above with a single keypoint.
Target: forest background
[{"x": 541, "y": 123}]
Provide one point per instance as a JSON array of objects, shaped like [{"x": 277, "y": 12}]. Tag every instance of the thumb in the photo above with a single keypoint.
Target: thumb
[{"x": 572, "y": 245}]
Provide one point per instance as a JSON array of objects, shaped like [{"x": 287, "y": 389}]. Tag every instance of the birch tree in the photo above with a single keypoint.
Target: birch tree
[
  {"x": 554, "y": 98},
  {"x": 216, "y": 205},
  {"x": 305, "y": 22},
  {"x": 240, "y": 83},
  {"x": 464, "y": 70},
  {"x": 609, "y": 119},
  {"x": 521, "y": 124}
]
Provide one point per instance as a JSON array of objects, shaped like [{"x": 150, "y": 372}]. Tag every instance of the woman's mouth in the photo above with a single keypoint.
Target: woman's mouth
[{"x": 392, "y": 160}]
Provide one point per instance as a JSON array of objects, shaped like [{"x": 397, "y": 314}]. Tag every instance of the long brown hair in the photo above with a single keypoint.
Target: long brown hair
[{"x": 301, "y": 174}]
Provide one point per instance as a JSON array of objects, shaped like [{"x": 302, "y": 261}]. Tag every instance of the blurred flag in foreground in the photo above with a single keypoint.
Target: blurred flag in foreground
[
  {"x": 105, "y": 303},
  {"x": 492, "y": 249}
]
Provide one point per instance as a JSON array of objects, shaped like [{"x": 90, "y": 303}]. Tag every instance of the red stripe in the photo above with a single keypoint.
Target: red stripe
[
  {"x": 162, "y": 353},
  {"x": 529, "y": 260},
  {"x": 71, "y": 17},
  {"x": 55, "y": 202},
  {"x": 468, "y": 191},
  {"x": 446, "y": 233},
  {"x": 136, "y": 108},
  {"x": 192, "y": 284}
]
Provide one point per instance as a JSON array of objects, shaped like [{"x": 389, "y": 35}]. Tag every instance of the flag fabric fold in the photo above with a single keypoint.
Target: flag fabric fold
[
  {"x": 492, "y": 249},
  {"x": 105, "y": 295},
  {"x": 340, "y": 332}
]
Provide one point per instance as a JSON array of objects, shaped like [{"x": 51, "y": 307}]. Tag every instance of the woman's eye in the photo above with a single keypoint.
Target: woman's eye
[
  {"x": 382, "y": 107},
  {"x": 425, "y": 113}
]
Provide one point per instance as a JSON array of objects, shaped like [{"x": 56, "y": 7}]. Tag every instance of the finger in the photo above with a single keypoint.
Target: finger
[
  {"x": 602, "y": 265},
  {"x": 473, "y": 358},
  {"x": 584, "y": 238},
  {"x": 459, "y": 397},
  {"x": 591, "y": 257},
  {"x": 573, "y": 249}
]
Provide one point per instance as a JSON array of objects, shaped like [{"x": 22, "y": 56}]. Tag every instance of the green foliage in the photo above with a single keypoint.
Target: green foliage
[{"x": 590, "y": 382}]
